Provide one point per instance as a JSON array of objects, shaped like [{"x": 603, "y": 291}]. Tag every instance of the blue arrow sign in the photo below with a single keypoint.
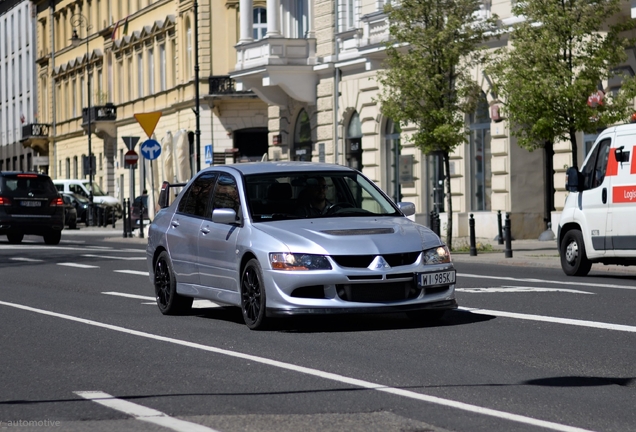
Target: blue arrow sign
[{"x": 150, "y": 149}]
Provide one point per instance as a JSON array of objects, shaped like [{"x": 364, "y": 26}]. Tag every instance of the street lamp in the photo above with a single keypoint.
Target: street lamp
[{"x": 79, "y": 20}]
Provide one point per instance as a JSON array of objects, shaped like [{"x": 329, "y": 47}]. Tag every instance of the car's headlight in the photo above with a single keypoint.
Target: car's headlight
[
  {"x": 289, "y": 261},
  {"x": 437, "y": 255}
]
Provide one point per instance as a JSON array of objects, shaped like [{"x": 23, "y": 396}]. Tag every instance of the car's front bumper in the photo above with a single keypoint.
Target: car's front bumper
[{"x": 437, "y": 305}]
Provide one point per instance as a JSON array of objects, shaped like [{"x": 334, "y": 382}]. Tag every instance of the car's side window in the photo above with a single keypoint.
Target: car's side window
[
  {"x": 195, "y": 200},
  {"x": 225, "y": 194}
]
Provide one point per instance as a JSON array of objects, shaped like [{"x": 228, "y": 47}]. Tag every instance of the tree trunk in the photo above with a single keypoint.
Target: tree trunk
[
  {"x": 549, "y": 182},
  {"x": 575, "y": 153},
  {"x": 449, "y": 201}
]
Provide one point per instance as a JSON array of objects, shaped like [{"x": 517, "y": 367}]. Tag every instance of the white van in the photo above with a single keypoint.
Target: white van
[
  {"x": 598, "y": 221},
  {"x": 82, "y": 187}
]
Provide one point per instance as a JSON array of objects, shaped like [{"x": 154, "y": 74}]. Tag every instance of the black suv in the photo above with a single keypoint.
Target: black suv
[{"x": 30, "y": 204}]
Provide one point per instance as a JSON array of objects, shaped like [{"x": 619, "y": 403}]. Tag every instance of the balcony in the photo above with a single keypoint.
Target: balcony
[
  {"x": 222, "y": 86},
  {"x": 102, "y": 119},
  {"x": 36, "y": 136},
  {"x": 277, "y": 69}
]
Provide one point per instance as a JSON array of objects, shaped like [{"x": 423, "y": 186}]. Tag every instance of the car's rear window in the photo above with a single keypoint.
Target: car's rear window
[{"x": 21, "y": 184}]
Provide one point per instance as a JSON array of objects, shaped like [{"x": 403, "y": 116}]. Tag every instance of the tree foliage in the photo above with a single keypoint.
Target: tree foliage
[
  {"x": 557, "y": 58},
  {"x": 427, "y": 80}
]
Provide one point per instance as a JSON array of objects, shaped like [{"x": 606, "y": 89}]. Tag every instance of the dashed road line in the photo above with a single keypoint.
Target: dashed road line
[
  {"x": 135, "y": 296},
  {"x": 133, "y": 272},
  {"x": 196, "y": 304},
  {"x": 519, "y": 289},
  {"x": 506, "y": 278},
  {"x": 115, "y": 257},
  {"x": 84, "y": 266},
  {"x": 25, "y": 259},
  {"x": 142, "y": 413},
  {"x": 317, "y": 373}
]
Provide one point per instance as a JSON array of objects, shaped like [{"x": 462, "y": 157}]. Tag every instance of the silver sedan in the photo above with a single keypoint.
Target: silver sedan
[{"x": 287, "y": 238}]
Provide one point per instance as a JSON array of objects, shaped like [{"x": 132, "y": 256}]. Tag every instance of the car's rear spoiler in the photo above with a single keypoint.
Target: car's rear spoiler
[{"x": 164, "y": 195}]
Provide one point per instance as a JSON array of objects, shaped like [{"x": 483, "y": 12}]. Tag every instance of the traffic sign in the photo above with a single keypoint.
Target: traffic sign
[
  {"x": 208, "y": 154},
  {"x": 130, "y": 158},
  {"x": 130, "y": 142},
  {"x": 148, "y": 121},
  {"x": 150, "y": 149}
]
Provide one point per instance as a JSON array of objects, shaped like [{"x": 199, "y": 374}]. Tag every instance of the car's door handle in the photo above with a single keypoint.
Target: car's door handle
[
  {"x": 174, "y": 224},
  {"x": 604, "y": 195},
  {"x": 205, "y": 230}
]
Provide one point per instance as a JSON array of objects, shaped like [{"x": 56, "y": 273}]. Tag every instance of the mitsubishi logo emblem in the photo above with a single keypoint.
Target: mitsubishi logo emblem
[{"x": 379, "y": 263}]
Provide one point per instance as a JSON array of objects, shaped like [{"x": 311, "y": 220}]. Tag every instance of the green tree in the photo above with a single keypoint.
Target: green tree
[
  {"x": 557, "y": 58},
  {"x": 434, "y": 44}
]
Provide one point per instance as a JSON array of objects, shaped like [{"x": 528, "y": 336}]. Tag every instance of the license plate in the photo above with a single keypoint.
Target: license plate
[
  {"x": 31, "y": 203},
  {"x": 439, "y": 278}
]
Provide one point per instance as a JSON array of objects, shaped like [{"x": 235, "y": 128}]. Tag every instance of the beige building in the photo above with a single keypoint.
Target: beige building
[{"x": 281, "y": 79}]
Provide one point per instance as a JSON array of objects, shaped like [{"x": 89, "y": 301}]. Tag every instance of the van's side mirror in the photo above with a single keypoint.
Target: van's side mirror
[{"x": 572, "y": 177}]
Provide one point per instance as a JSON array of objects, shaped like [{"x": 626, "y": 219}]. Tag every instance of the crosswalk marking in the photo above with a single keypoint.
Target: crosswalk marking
[{"x": 142, "y": 413}]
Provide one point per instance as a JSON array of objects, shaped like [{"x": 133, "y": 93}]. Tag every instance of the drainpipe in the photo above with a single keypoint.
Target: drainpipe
[
  {"x": 336, "y": 83},
  {"x": 53, "y": 170}
]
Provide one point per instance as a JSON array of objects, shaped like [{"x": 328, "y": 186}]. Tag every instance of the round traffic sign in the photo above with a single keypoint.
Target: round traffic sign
[{"x": 131, "y": 157}]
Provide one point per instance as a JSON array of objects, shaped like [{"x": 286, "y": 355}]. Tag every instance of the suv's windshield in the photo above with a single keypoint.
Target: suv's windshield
[
  {"x": 311, "y": 195},
  {"x": 97, "y": 191}
]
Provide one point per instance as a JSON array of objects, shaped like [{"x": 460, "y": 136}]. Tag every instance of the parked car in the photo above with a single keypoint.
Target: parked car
[
  {"x": 30, "y": 204},
  {"x": 70, "y": 213},
  {"x": 82, "y": 187},
  {"x": 80, "y": 203},
  {"x": 247, "y": 235},
  {"x": 104, "y": 212}
]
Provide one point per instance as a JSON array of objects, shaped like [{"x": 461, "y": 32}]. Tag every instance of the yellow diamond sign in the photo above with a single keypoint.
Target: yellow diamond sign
[{"x": 148, "y": 121}]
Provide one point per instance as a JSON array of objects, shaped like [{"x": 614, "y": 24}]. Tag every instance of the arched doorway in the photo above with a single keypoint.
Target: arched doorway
[
  {"x": 480, "y": 157},
  {"x": 353, "y": 142},
  {"x": 302, "y": 138}
]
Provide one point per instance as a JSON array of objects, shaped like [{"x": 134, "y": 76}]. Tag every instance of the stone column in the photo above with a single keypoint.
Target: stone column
[
  {"x": 273, "y": 22},
  {"x": 246, "y": 21}
]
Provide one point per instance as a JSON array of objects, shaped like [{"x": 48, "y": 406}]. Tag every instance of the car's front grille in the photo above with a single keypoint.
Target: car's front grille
[
  {"x": 381, "y": 292},
  {"x": 363, "y": 261},
  {"x": 312, "y": 291}
]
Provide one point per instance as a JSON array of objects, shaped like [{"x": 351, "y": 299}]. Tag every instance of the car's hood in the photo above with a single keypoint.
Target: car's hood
[{"x": 351, "y": 235}]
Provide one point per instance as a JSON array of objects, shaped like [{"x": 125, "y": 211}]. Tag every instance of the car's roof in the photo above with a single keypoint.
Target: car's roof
[{"x": 283, "y": 167}]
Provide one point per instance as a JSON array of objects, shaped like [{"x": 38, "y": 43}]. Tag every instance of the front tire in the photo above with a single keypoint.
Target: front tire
[
  {"x": 573, "y": 257},
  {"x": 15, "y": 238},
  {"x": 168, "y": 301},
  {"x": 253, "y": 300}
]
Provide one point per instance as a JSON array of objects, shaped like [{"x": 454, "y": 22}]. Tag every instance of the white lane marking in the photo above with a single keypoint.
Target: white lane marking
[
  {"x": 85, "y": 266},
  {"x": 510, "y": 289},
  {"x": 115, "y": 257},
  {"x": 100, "y": 247},
  {"x": 568, "y": 321},
  {"x": 316, "y": 372},
  {"x": 142, "y": 413},
  {"x": 135, "y": 296},
  {"x": 25, "y": 259},
  {"x": 133, "y": 272},
  {"x": 590, "y": 284},
  {"x": 35, "y": 246}
]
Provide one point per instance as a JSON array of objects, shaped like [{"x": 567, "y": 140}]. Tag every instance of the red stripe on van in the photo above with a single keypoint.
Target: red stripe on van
[
  {"x": 624, "y": 194},
  {"x": 612, "y": 164}
]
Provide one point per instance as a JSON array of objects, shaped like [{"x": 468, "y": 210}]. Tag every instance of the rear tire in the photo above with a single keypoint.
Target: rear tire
[
  {"x": 168, "y": 301},
  {"x": 53, "y": 237},
  {"x": 15, "y": 238},
  {"x": 573, "y": 257},
  {"x": 253, "y": 299}
]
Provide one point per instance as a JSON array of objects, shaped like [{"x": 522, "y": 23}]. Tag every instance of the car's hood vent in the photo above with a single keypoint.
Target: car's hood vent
[{"x": 366, "y": 231}]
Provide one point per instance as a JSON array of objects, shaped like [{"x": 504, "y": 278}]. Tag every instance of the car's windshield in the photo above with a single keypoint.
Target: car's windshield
[
  {"x": 312, "y": 195},
  {"x": 97, "y": 191}
]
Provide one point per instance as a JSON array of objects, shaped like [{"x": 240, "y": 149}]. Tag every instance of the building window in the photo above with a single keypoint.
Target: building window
[
  {"x": 260, "y": 23},
  {"x": 353, "y": 142},
  {"x": 162, "y": 67},
  {"x": 140, "y": 75},
  {"x": 129, "y": 80},
  {"x": 392, "y": 148},
  {"x": 173, "y": 64},
  {"x": 121, "y": 79},
  {"x": 302, "y": 21},
  {"x": 74, "y": 98},
  {"x": 302, "y": 138},
  {"x": 189, "y": 66},
  {"x": 151, "y": 71},
  {"x": 480, "y": 157}
]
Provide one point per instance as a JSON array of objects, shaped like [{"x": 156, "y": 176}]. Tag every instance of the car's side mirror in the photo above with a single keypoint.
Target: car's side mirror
[
  {"x": 572, "y": 180},
  {"x": 408, "y": 208},
  {"x": 224, "y": 216}
]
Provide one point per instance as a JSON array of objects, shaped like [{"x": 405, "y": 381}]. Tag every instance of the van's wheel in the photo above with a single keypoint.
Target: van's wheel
[
  {"x": 253, "y": 298},
  {"x": 573, "y": 258},
  {"x": 168, "y": 301},
  {"x": 52, "y": 237},
  {"x": 15, "y": 238}
]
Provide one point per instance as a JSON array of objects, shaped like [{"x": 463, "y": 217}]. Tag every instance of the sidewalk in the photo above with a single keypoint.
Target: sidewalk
[
  {"x": 108, "y": 233},
  {"x": 531, "y": 253}
]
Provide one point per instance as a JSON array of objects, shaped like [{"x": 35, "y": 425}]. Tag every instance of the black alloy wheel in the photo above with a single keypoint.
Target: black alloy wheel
[
  {"x": 573, "y": 257},
  {"x": 168, "y": 301},
  {"x": 253, "y": 300}
]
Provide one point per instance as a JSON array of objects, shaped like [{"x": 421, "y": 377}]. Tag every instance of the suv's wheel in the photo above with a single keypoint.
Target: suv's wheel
[
  {"x": 168, "y": 301},
  {"x": 52, "y": 237},
  {"x": 573, "y": 258},
  {"x": 15, "y": 238},
  {"x": 253, "y": 298}
]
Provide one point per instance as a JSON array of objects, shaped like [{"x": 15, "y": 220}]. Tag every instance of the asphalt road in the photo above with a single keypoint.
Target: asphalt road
[{"x": 83, "y": 347}]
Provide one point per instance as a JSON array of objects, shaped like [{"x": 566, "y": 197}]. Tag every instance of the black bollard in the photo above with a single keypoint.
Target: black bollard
[
  {"x": 113, "y": 215},
  {"x": 500, "y": 238},
  {"x": 124, "y": 218},
  {"x": 508, "y": 236},
  {"x": 130, "y": 227},
  {"x": 473, "y": 246},
  {"x": 141, "y": 220}
]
